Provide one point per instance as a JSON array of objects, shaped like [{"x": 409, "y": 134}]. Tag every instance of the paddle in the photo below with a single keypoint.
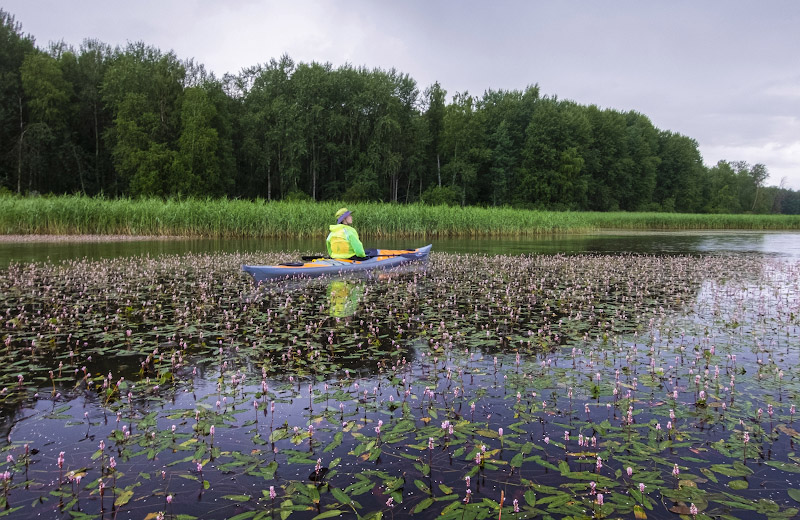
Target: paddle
[{"x": 399, "y": 252}]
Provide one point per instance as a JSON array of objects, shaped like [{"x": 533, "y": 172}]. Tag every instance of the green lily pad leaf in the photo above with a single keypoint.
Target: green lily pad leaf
[
  {"x": 341, "y": 496},
  {"x": 738, "y": 484},
  {"x": 794, "y": 493},
  {"x": 516, "y": 462},
  {"x": 244, "y": 516},
  {"x": 422, "y": 487},
  {"x": 709, "y": 475},
  {"x": 123, "y": 498},
  {"x": 730, "y": 471},
  {"x": 328, "y": 514},
  {"x": 530, "y": 498},
  {"x": 237, "y": 498},
  {"x": 784, "y": 466},
  {"x": 422, "y": 506},
  {"x": 337, "y": 441}
]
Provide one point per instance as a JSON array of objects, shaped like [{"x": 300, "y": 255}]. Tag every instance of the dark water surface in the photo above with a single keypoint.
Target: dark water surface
[
  {"x": 782, "y": 244},
  {"x": 541, "y": 381}
]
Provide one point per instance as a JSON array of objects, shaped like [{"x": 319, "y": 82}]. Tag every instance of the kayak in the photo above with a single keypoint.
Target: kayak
[{"x": 385, "y": 259}]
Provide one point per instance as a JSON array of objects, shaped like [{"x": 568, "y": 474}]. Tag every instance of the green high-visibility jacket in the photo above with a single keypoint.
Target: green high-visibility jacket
[{"x": 343, "y": 242}]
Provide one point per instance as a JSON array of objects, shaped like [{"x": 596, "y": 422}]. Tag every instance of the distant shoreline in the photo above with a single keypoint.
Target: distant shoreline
[{"x": 84, "y": 238}]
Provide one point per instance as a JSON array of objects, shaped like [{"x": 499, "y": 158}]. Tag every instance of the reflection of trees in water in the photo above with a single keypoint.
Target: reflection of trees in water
[
  {"x": 10, "y": 414},
  {"x": 629, "y": 242},
  {"x": 545, "y": 301}
]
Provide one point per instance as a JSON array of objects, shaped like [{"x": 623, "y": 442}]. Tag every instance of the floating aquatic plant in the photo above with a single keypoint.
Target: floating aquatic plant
[{"x": 517, "y": 387}]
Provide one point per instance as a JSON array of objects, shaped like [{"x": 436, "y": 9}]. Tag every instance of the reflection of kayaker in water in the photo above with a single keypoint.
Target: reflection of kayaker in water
[
  {"x": 343, "y": 241},
  {"x": 344, "y": 296}
]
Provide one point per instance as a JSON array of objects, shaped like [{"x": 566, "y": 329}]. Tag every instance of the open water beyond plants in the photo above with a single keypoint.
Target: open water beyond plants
[{"x": 532, "y": 386}]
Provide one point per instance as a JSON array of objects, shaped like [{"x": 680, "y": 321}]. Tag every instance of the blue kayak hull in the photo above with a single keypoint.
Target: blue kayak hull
[{"x": 386, "y": 259}]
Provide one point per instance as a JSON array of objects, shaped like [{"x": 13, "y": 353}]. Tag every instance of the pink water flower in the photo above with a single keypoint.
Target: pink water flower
[{"x": 272, "y": 493}]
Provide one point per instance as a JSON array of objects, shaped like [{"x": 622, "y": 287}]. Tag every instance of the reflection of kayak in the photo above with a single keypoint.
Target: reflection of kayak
[{"x": 385, "y": 259}]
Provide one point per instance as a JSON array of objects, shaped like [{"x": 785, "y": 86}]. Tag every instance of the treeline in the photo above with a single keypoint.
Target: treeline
[{"x": 136, "y": 121}]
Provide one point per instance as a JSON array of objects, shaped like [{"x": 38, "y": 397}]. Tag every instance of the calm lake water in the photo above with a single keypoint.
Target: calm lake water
[
  {"x": 152, "y": 377},
  {"x": 778, "y": 244}
]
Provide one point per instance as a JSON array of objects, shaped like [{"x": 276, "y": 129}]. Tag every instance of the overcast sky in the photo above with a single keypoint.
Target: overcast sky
[{"x": 724, "y": 72}]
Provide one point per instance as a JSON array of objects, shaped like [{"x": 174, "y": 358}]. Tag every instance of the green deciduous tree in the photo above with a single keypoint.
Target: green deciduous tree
[
  {"x": 143, "y": 89},
  {"x": 44, "y": 137},
  {"x": 14, "y": 46}
]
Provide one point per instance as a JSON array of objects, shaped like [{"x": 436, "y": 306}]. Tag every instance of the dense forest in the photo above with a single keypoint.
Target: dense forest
[{"x": 136, "y": 121}]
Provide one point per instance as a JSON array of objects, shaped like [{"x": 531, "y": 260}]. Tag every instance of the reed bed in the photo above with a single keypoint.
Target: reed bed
[{"x": 70, "y": 215}]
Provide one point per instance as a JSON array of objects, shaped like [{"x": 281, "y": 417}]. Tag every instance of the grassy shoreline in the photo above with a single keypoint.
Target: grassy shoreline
[{"x": 77, "y": 215}]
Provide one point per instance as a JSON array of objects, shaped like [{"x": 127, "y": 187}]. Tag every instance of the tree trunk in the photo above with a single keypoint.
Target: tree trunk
[
  {"x": 269, "y": 182},
  {"x": 313, "y": 173},
  {"x": 97, "y": 149},
  {"x": 439, "y": 169},
  {"x": 80, "y": 170},
  {"x": 19, "y": 150}
]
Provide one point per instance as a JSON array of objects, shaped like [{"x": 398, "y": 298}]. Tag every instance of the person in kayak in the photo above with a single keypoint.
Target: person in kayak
[{"x": 343, "y": 241}]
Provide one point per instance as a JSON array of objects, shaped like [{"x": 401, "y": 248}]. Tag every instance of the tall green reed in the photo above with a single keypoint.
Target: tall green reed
[{"x": 66, "y": 215}]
